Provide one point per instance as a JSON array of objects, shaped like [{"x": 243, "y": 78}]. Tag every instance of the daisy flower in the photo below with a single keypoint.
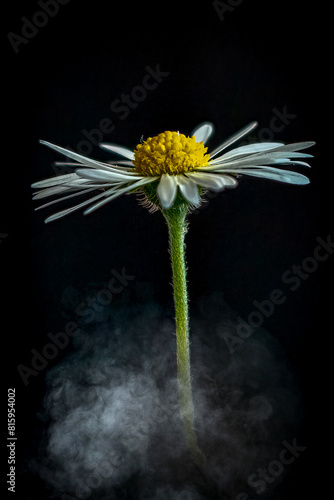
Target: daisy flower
[
  {"x": 173, "y": 165},
  {"x": 173, "y": 171}
]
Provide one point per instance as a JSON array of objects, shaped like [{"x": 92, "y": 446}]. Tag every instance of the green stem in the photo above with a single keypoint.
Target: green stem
[{"x": 176, "y": 221}]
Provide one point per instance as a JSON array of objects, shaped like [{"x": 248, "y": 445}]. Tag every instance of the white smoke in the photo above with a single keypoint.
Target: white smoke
[{"x": 113, "y": 427}]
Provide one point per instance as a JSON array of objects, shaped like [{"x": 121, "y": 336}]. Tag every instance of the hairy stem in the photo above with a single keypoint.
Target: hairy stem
[{"x": 177, "y": 227}]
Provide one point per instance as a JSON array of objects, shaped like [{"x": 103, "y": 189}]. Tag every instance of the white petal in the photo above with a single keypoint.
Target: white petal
[
  {"x": 303, "y": 163},
  {"x": 189, "y": 189},
  {"x": 166, "y": 190},
  {"x": 287, "y": 161},
  {"x": 103, "y": 202},
  {"x": 120, "y": 150},
  {"x": 104, "y": 176},
  {"x": 72, "y": 195},
  {"x": 296, "y": 146},
  {"x": 76, "y": 156},
  {"x": 230, "y": 182},
  {"x": 54, "y": 181},
  {"x": 236, "y": 137},
  {"x": 118, "y": 192},
  {"x": 122, "y": 162},
  {"x": 110, "y": 166},
  {"x": 249, "y": 149},
  {"x": 269, "y": 158},
  {"x": 203, "y": 132},
  {"x": 85, "y": 184},
  {"x": 44, "y": 193},
  {"x": 210, "y": 181},
  {"x": 274, "y": 174},
  {"x": 67, "y": 211}
]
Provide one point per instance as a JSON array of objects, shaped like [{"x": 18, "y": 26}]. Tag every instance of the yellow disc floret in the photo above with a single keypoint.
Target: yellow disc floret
[{"x": 170, "y": 153}]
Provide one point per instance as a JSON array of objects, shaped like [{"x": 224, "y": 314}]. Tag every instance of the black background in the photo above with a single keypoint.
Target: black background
[{"x": 261, "y": 56}]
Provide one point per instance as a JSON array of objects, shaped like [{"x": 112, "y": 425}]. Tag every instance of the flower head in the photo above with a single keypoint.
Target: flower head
[
  {"x": 170, "y": 153},
  {"x": 172, "y": 163}
]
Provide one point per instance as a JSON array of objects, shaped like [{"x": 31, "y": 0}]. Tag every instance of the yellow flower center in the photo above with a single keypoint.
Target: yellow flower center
[{"x": 170, "y": 153}]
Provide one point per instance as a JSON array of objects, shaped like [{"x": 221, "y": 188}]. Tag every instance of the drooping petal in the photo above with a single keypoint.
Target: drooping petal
[
  {"x": 189, "y": 189},
  {"x": 67, "y": 211},
  {"x": 235, "y": 137},
  {"x": 166, "y": 190},
  {"x": 210, "y": 181},
  {"x": 100, "y": 203},
  {"x": 203, "y": 132},
  {"x": 230, "y": 181},
  {"x": 120, "y": 150},
  {"x": 119, "y": 191}
]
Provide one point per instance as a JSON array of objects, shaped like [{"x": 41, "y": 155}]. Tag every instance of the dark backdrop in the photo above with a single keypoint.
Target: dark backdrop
[{"x": 252, "y": 61}]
